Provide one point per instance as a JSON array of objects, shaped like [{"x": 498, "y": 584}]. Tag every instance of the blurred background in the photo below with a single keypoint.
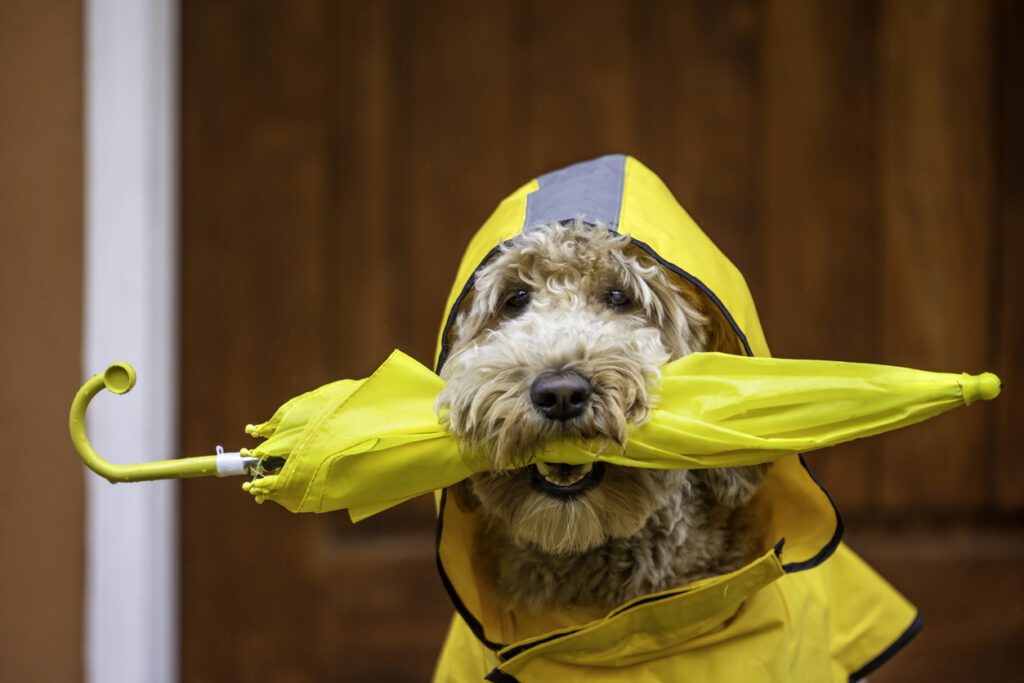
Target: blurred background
[{"x": 303, "y": 177}]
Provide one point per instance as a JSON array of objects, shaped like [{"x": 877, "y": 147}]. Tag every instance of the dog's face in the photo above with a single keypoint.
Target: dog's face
[{"x": 562, "y": 337}]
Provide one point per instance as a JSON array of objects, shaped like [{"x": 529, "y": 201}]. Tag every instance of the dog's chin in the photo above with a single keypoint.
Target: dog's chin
[{"x": 569, "y": 510}]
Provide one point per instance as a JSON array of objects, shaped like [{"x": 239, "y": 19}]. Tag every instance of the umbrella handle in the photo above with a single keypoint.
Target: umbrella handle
[{"x": 119, "y": 378}]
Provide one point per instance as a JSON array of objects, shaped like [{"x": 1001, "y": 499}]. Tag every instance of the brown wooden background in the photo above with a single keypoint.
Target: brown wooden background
[
  {"x": 861, "y": 162},
  {"x": 42, "y": 549}
]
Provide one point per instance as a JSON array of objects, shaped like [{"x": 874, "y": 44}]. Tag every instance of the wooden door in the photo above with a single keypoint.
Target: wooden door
[{"x": 858, "y": 164}]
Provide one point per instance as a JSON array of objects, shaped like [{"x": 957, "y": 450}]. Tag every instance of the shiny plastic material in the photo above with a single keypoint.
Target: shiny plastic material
[{"x": 119, "y": 378}]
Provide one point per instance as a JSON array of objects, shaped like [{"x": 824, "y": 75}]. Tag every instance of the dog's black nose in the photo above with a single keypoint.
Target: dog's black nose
[{"x": 560, "y": 394}]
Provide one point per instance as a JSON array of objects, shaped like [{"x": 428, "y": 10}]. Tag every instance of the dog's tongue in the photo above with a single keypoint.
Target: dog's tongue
[{"x": 562, "y": 474}]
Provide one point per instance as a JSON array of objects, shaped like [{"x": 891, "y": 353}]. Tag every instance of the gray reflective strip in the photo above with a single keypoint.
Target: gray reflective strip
[{"x": 591, "y": 190}]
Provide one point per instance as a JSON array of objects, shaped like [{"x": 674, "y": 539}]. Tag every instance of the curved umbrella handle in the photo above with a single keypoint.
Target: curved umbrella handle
[{"x": 119, "y": 378}]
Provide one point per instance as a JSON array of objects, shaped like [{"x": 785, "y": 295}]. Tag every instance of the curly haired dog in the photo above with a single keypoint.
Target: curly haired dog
[{"x": 562, "y": 337}]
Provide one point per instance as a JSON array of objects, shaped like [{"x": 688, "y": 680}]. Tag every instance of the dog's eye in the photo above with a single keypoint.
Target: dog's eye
[
  {"x": 518, "y": 299},
  {"x": 616, "y": 298}
]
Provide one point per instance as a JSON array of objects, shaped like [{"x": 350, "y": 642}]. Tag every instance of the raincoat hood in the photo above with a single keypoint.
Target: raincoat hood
[{"x": 808, "y": 609}]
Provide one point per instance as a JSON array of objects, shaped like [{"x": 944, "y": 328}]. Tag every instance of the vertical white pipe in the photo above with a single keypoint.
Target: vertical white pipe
[{"x": 130, "y": 314}]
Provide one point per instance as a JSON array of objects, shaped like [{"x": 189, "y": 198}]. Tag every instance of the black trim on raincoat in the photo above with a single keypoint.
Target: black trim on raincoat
[{"x": 889, "y": 652}]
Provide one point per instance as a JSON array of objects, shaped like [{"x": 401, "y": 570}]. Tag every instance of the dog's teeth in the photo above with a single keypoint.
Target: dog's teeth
[
  {"x": 545, "y": 469},
  {"x": 563, "y": 475}
]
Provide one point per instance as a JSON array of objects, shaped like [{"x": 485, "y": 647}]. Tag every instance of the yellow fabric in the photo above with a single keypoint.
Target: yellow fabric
[
  {"x": 366, "y": 445},
  {"x": 787, "y": 628}
]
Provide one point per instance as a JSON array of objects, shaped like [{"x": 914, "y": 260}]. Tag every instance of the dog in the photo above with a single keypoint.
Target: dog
[{"x": 562, "y": 337}]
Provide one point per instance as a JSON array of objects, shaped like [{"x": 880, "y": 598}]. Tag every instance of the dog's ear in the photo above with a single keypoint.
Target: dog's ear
[
  {"x": 478, "y": 308},
  {"x": 716, "y": 332},
  {"x": 462, "y": 492},
  {"x": 472, "y": 317},
  {"x": 721, "y": 336},
  {"x": 732, "y": 486},
  {"x": 691, "y": 320},
  {"x": 461, "y": 325}
]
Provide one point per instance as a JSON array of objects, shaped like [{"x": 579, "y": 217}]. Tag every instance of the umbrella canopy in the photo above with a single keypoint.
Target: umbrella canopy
[{"x": 369, "y": 444}]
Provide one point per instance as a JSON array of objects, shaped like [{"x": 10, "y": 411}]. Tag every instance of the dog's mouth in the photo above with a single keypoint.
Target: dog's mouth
[{"x": 560, "y": 480}]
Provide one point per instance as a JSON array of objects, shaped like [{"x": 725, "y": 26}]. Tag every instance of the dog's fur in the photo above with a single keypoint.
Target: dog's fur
[{"x": 597, "y": 305}]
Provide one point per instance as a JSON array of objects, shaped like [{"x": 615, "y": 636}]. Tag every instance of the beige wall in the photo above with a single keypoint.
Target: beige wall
[{"x": 41, "y": 505}]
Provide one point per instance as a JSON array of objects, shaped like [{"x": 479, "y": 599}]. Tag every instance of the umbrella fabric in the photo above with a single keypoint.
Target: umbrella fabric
[{"x": 369, "y": 444}]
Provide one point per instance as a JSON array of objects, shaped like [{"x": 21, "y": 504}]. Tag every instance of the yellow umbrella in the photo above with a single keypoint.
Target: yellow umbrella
[
  {"x": 366, "y": 445},
  {"x": 369, "y": 445}
]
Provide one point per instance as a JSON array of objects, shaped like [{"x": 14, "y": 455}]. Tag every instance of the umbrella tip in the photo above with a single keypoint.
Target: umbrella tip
[{"x": 989, "y": 386}]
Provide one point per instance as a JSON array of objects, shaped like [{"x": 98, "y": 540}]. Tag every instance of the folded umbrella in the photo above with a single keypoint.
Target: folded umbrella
[{"x": 367, "y": 445}]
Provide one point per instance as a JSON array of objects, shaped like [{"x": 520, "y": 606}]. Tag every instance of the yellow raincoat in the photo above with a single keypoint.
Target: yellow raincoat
[{"x": 807, "y": 610}]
